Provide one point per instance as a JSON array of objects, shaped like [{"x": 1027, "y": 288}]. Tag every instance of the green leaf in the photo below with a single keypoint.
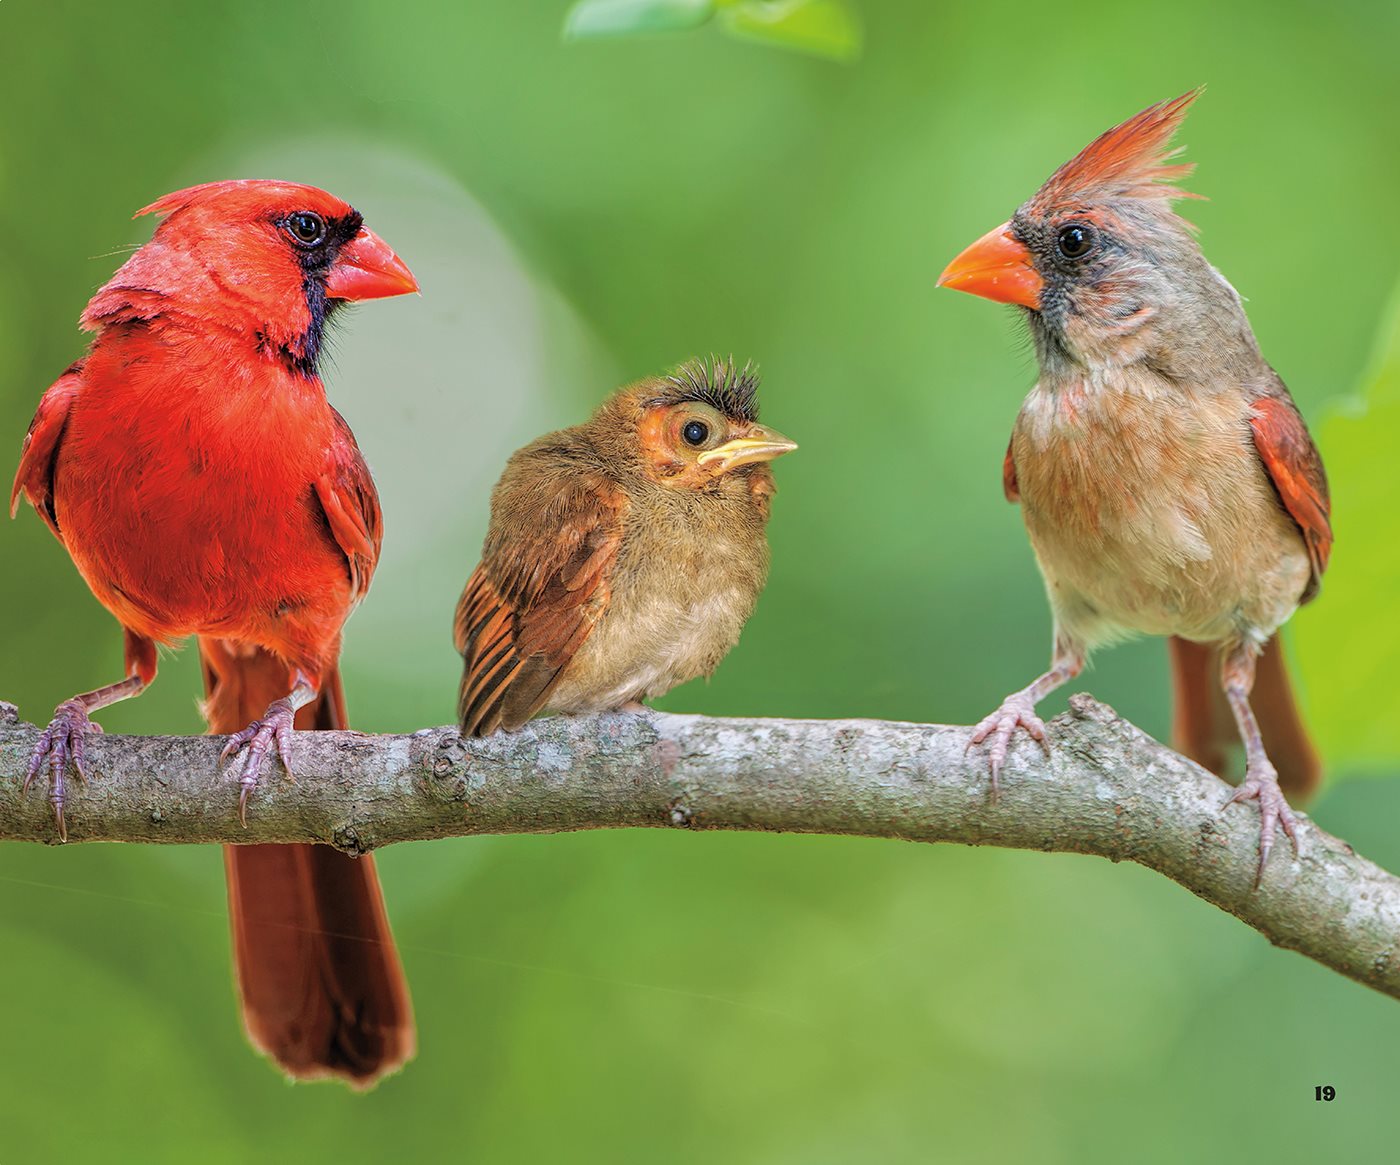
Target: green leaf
[
  {"x": 1349, "y": 639},
  {"x": 589, "y": 18},
  {"x": 822, "y": 28}
]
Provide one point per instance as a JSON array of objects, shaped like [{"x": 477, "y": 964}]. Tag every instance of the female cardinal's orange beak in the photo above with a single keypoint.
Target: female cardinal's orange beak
[
  {"x": 367, "y": 268},
  {"x": 997, "y": 266}
]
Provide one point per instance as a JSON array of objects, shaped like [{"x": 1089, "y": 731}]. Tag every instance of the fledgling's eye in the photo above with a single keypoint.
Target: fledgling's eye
[
  {"x": 307, "y": 228},
  {"x": 1076, "y": 240},
  {"x": 692, "y": 427}
]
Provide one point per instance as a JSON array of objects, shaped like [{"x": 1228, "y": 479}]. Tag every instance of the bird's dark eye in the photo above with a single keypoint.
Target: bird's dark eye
[
  {"x": 308, "y": 228},
  {"x": 1076, "y": 241},
  {"x": 695, "y": 432}
]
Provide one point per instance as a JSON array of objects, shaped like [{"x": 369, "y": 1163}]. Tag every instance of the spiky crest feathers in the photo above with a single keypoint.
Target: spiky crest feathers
[
  {"x": 721, "y": 384},
  {"x": 1131, "y": 160}
]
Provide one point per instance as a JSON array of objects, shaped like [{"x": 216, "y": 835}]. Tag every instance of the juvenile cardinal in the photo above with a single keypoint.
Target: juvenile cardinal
[
  {"x": 1166, "y": 478},
  {"x": 624, "y": 555},
  {"x": 193, "y": 468}
]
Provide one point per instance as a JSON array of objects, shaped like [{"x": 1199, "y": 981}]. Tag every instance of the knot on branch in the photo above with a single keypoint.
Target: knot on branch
[
  {"x": 347, "y": 841},
  {"x": 447, "y": 762}
]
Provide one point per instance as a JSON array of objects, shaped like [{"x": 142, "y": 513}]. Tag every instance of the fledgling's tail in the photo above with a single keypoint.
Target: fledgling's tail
[
  {"x": 1204, "y": 729},
  {"x": 320, "y": 983}
]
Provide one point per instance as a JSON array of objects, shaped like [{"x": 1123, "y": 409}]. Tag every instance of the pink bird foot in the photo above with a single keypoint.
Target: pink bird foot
[
  {"x": 1261, "y": 784},
  {"x": 1016, "y": 711},
  {"x": 275, "y": 728},
  {"x": 62, "y": 741}
]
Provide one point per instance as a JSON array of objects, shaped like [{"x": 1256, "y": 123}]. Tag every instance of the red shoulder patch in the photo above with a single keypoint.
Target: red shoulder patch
[{"x": 1295, "y": 467}]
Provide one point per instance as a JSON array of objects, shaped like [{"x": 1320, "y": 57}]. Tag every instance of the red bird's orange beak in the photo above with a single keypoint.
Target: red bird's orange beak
[
  {"x": 367, "y": 268},
  {"x": 997, "y": 266}
]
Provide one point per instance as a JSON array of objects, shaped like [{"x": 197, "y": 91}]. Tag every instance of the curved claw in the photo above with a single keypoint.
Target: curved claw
[
  {"x": 274, "y": 729},
  {"x": 1261, "y": 784},
  {"x": 61, "y": 743},
  {"x": 1016, "y": 711}
]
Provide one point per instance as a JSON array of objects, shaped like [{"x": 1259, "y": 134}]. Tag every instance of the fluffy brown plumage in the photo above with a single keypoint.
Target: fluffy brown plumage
[
  {"x": 1166, "y": 478},
  {"x": 624, "y": 555}
]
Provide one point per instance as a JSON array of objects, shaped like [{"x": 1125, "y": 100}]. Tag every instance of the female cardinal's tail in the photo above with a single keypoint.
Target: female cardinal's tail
[
  {"x": 1204, "y": 729},
  {"x": 322, "y": 990}
]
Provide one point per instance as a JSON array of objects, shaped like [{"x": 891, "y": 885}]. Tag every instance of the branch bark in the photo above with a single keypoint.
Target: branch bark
[{"x": 1107, "y": 788}]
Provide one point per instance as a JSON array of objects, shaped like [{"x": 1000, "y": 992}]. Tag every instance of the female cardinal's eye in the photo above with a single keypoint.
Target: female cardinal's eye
[
  {"x": 307, "y": 228},
  {"x": 695, "y": 432},
  {"x": 1076, "y": 241}
]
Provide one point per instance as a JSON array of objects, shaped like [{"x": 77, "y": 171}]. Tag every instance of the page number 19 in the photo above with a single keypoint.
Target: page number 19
[{"x": 1324, "y": 1092}]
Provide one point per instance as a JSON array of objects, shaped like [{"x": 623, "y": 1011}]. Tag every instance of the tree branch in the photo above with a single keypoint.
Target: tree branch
[{"x": 1107, "y": 788}]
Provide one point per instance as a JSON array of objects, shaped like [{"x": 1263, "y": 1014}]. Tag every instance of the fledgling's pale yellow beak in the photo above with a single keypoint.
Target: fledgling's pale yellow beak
[{"x": 760, "y": 443}]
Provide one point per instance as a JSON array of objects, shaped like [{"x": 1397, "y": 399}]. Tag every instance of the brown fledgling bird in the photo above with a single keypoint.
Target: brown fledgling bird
[
  {"x": 624, "y": 555},
  {"x": 1166, "y": 478}
]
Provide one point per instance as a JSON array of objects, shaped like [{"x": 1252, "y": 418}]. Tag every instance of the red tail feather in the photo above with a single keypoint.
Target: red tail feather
[
  {"x": 1204, "y": 729},
  {"x": 320, "y": 982}
]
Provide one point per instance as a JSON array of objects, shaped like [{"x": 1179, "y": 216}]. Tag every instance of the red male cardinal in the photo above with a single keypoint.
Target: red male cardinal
[
  {"x": 203, "y": 485},
  {"x": 1166, "y": 478}
]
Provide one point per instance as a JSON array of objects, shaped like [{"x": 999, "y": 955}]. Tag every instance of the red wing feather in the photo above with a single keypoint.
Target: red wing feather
[
  {"x": 34, "y": 478},
  {"x": 347, "y": 494},
  {"x": 1295, "y": 467},
  {"x": 537, "y": 594},
  {"x": 1009, "y": 485}
]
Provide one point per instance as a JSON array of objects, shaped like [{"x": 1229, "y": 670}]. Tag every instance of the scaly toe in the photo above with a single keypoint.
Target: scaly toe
[
  {"x": 1000, "y": 727},
  {"x": 247, "y": 783},
  {"x": 260, "y": 737},
  {"x": 60, "y": 744},
  {"x": 238, "y": 739},
  {"x": 1274, "y": 813}
]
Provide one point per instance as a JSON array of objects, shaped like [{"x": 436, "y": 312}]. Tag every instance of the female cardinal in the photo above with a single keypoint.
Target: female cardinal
[
  {"x": 624, "y": 555},
  {"x": 1165, "y": 475},
  {"x": 203, "y": 485}
]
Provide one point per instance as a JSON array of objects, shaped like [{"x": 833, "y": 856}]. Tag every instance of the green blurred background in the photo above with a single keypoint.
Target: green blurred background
[{"x": 583, "y": 214}]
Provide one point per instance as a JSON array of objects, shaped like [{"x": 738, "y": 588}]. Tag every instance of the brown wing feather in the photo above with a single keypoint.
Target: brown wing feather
[
  {"x": 351, "y": 503},
  {"x": 540, "y": 588},
  {"x": 1295, "y": 467},
  {"x": 34, "y": 478}
]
